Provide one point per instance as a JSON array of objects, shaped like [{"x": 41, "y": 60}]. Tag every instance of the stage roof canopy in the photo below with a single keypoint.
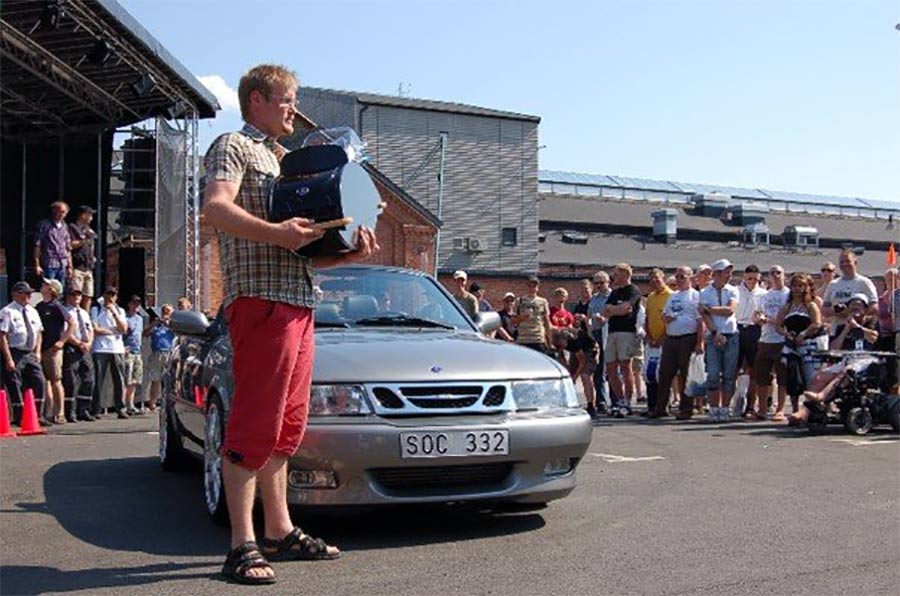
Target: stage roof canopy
[{"x": 86, "y": 66}]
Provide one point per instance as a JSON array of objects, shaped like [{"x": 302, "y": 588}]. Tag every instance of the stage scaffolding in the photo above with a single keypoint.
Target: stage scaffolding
[{"x": 177, "y": 208}]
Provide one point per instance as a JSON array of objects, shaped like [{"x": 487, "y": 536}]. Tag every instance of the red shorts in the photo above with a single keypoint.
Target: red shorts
[{"x": 273, "y": 347}]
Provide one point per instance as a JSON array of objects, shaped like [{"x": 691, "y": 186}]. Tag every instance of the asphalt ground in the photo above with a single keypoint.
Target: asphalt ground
[{"x": 661, "y": 508}]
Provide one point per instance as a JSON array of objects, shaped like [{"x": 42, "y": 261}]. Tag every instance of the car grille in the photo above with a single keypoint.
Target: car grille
[
  {"x": 460, "y": 402},
  {"x": 495, "y": 396},
  {"x": 402, "y": 400},
  {"x": 442, "y": 477},
  {"x": 387, "y": 398}
]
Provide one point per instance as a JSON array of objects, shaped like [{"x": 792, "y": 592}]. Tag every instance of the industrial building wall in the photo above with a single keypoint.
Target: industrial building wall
[
  {"x": 490, "y": 174},
  {"x": 326, "y": 109},
  {"x": 490, "y": 180}
]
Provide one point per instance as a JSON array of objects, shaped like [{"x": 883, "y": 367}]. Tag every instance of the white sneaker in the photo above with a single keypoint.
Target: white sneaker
[
  {"x": 713, "y": 414},
  {"x": 725, "y": 415}
]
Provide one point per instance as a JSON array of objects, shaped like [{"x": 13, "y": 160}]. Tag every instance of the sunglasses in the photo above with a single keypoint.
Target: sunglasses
[{"x": 776, "y": 272}]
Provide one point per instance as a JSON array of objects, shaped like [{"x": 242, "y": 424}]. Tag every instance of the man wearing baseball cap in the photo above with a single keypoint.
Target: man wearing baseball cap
[
  {"x": 83, "y": 257},
  {"x": 468, "y": 301},
  {"x": 717, "y": 307},
  {"x": 858, "y": 330},
  {"x": 58, "y": 327},
  {"x": 20, "y": 344}
]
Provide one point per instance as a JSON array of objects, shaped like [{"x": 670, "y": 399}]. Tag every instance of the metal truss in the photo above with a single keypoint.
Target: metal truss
[
  {"x": 192, "y": 209},
  {"x": 87, "y": 20},
  {"x": 28, "y": 54}
]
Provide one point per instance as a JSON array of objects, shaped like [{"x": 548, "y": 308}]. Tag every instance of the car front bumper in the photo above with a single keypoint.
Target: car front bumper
[{"x": 363, "y": 458}]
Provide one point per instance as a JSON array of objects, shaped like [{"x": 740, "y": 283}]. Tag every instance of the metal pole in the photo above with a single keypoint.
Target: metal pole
[
  {"x": 98, "y": 243},
  {"x": 23, "y": 238},
  {"x": 101, "y": 236},
  {"x": 61, "y": 179},
  {"x": 195, "y": 199},
  {"x": 440, "y": 202},
  {"x": 156, "y": 298}
]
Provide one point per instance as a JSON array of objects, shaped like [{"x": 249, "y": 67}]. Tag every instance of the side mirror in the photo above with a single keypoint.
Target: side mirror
[
  {"x": 189, "y": 322},
  {"x": 487, "y": 322}
]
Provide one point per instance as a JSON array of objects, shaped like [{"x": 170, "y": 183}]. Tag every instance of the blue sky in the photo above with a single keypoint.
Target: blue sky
[{"x": 778, "y": 94}]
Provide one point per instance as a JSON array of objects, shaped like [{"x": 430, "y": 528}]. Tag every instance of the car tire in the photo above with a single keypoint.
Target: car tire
[
  {"x": 173, "y": 457},
  {"x": 213, "y": 483},
  {"x": 858, "y": 421}
]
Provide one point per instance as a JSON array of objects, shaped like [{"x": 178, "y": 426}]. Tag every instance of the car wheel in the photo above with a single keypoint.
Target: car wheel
[
  {"x": 172, "y": 455},
  {"x": 213, "y": 485},
  {"x": 858, "y": 421}
]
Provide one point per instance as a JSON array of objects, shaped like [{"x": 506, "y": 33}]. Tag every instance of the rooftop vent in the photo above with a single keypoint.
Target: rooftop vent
[
  {"x": 800, "y": 237},
  {"x": 712, "y": 204},
  {"x": 574, "y": 238},
  {"x": 665, "y": 225},
  {"x": 756, "y": 234},
  {"x": 745, "y": 214}
]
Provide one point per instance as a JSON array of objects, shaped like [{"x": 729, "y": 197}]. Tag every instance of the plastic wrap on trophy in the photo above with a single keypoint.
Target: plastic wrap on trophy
[{"x": 320, "y": 184}]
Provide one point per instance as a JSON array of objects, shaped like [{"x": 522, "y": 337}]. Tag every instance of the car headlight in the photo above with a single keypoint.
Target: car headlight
[
  {"x": 555, "y": 393},
  {"x": 338, "y": 400}
]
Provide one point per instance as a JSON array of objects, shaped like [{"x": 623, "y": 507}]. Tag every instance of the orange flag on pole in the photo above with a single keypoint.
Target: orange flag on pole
[{"x": 891, "y": 256}]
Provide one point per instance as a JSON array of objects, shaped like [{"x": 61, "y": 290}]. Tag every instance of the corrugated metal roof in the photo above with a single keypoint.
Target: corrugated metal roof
[
  {"x": 584, "y": 210},
  {"x": 604, "y": 250},
  {"x": 428, "y": 104},
  {"x": 691, "y": 188}
]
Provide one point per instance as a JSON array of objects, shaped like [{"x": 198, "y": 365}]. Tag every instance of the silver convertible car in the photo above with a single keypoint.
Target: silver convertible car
[{"x": 411, "y": 403}]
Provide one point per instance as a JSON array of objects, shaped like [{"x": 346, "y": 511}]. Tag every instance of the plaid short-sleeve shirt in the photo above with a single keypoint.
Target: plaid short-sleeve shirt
[{"x": 250, "y": 268}]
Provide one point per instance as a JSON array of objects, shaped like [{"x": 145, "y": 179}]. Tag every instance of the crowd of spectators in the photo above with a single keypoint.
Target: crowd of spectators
[
  {"x": 68, "y": 349},
  {"x": 683, "y": 347}
]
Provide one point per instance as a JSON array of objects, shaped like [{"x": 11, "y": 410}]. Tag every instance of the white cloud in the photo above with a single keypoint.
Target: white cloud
[{"x": 228, "y": 97}]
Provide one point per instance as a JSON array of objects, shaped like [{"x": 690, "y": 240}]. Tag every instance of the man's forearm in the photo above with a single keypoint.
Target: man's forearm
[
  {"x": 234, "y": 220},
  {"x": 4, "y": 348}
]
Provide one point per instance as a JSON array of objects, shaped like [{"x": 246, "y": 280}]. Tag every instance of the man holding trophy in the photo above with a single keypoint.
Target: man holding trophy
[{"x": 269, "y": 303}]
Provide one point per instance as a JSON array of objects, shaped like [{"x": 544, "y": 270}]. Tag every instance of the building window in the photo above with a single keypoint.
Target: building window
[{"x": 509, "y": 237}]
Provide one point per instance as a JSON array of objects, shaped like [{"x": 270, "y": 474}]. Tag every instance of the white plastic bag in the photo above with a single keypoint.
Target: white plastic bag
[{"x": 696, "y": 381}]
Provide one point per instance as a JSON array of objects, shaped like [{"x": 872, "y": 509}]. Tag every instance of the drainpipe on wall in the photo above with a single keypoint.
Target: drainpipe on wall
[{"x": 440, "y": 202}]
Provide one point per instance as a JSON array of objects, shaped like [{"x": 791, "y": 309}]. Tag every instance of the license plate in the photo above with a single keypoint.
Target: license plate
[{"x": 454, "y": 443}]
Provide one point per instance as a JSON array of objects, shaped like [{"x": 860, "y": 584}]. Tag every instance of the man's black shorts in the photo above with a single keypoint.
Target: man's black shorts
[{"x": 747, "y": 342}]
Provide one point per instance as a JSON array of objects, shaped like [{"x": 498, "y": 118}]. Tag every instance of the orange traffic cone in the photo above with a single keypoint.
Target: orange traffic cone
[
  {"x": 5, "y": 429},
  {"x": 30, "y": 423}
]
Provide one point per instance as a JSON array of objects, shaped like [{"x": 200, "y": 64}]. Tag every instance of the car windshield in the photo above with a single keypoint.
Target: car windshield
[{"x": 383, "y": 298}]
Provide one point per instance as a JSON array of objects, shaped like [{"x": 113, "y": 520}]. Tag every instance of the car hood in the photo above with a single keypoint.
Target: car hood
[{"x": 386, "y": 356}]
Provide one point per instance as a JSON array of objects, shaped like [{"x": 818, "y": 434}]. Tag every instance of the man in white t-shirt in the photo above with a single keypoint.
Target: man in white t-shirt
[
  {"x": 684, "y": 337},
  {"x": 768, "y": 353},
  {"x": 109, "y": 350},
  {"x": 717, "y": 306},
  {"x": 749, "y": 295},
  {"x": 839, "y": 291}
]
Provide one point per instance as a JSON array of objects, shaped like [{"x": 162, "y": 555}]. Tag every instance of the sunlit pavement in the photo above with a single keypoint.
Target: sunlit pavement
[{"x": 661, "y": 508}]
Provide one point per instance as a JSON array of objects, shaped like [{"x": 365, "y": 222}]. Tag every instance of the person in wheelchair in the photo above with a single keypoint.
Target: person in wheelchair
[{"x": 858, "y": 335}]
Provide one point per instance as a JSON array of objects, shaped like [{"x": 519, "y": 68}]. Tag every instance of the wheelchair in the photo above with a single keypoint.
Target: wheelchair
[{"x": 861, "y": 399}]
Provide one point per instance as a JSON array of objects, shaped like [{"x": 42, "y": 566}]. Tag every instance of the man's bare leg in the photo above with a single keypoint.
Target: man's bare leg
[
  {"x": 629, "y": 386},
  {"x": 240, "y": 490},
  {"x": 272, "y": 479},
  {"x": 615, "y": 383}
]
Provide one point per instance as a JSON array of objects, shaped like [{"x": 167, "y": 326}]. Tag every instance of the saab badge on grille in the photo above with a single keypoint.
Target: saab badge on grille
[{"x": 302, "y": 191}]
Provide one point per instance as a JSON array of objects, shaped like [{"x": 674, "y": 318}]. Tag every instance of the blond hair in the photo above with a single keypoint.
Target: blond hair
[
  {"x": 263, "y": 78},
  {"x": 625, "y": 268}
]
